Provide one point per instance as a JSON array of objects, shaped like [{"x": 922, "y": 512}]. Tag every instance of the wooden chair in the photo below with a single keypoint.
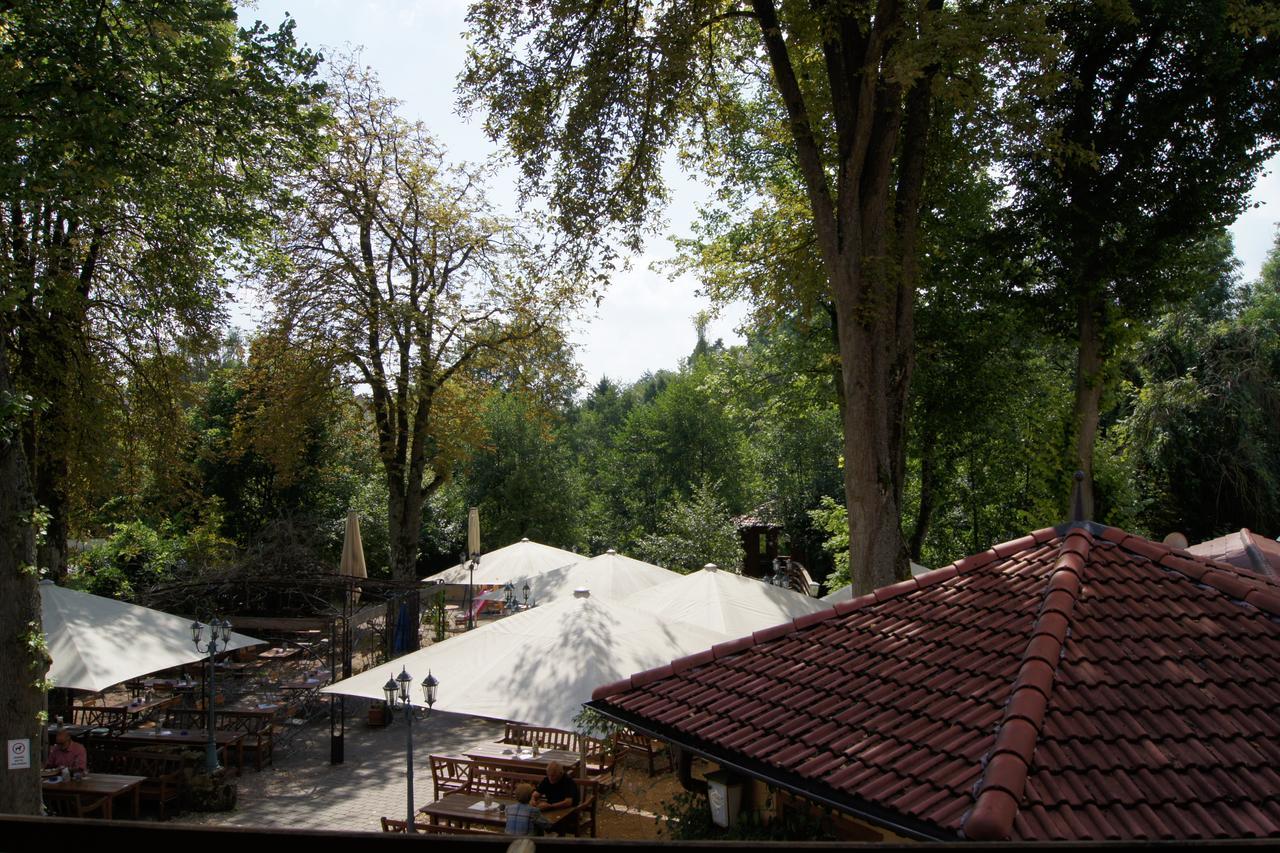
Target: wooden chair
[
  {"x": 449, "y": 773},
  {"x": 599, "y": 760},
  {"x": 73, "y": 805},
  {"x": 258, "y": 733},
  {"x": 390, "y": 825},
  {"x": 627, "y": 742}
]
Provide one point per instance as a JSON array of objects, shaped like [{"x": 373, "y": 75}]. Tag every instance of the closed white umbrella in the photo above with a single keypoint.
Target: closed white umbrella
[
  {"x": 539, "y": 666},
  {"x": 97, "y": 642},
  {"x": 607, "y": 575},
  {"x": 352, "y": 564},
  {"x": 515, "y": 562},
  {"x": 725, "y": 602}
]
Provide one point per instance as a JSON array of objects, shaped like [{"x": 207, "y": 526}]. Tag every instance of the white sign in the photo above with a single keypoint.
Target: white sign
[{"x": 19, "y": 754}]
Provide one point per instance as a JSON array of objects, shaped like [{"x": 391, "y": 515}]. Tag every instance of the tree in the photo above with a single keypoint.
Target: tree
[
  {"x": 522, "y": 477},
  {"x": 590, "y": 95},
  {"x": 1164, "y": 116},
  {"x": 693, "y": 531},
  {"x": 395, "y": 268},
  {"x": 1199, "y": 435},
  {"x": 136, "y": 142}
]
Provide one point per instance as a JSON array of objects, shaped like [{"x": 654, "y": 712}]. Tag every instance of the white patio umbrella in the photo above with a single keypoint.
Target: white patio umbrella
[
  {"x": 845, "y": 592},
  {"x": 540, "y": 665},
  {"x": 607, "y": 575},
  {"x": 96, "y": 642},
  {"x": 515, "y": 562},
  {"x": 724, "y": 601},
  {"x": 352, "y": 563}
]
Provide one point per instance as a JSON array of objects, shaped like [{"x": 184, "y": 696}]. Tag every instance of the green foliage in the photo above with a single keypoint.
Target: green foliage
[
  {"x": 694, "y": 531},
  {"x": 687, "y": 817},
  {"x": 137, "y": 557},
  {"x": 522, "y": 477},
  {"x": 1199, "y": 439},
  {"x": 830, "y": 517}
]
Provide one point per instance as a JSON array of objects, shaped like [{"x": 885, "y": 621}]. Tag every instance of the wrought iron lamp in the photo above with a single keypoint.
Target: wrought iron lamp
[
  {"x": 397, "y": 691},
  {"x": 219, "y": 638}
]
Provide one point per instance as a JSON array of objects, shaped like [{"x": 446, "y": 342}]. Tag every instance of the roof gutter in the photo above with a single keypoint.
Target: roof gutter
[{"x": 897, "y": 823}]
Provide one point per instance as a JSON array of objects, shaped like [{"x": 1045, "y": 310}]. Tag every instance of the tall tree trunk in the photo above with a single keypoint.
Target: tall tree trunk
[
  {"x": 404, "y": 524},
  {"x": 928, "y": 493},
  {"x": 22, "y": 665},
  {"x": 872, "y": 438},
  {"x": 1088, "y": 391}
]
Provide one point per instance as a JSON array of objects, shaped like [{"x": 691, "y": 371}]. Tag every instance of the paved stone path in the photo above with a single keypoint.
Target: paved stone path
[{"x": 303, "y": 789}]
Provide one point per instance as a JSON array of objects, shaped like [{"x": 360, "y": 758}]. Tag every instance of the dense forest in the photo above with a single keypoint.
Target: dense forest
[
  {"x": 255, "y": 454},
  {"x": 985, "y": 244}
]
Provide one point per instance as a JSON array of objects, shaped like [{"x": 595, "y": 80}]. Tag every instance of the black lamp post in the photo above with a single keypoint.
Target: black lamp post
[
  {"x": 219, "y": 637},
  {"x": 397, "y": 690},
  {"x": 525, "y": 590}
]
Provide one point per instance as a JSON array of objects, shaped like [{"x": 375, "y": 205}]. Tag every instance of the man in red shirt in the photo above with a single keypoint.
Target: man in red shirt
[{"x": 67, "y": 753}]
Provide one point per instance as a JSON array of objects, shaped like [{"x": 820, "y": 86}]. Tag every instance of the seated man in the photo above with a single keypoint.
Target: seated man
[
  {"x": 67, "y": 753},
  {"x": 522, "y": 818},
  {"x": 558, "y": 791}
]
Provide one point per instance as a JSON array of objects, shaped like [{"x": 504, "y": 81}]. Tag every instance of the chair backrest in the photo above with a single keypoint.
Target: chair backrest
[
  {"x": 488, "y": 777},
  {"x": 389, "y": 825},
  {"x": 449, "y": 773},
  {"x": 545, "y": 737}
]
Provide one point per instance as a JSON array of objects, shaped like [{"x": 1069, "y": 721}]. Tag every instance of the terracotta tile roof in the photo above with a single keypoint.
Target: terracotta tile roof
[
  {"x": 1243, "y": 549},
  {"x": 1075, "y": 684}
]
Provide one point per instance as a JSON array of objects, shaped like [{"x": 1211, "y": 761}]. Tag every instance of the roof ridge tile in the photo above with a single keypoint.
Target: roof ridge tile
[{"x": 998, "y": 793}]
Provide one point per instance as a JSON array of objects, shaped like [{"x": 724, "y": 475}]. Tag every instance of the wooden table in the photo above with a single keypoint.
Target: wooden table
[
  {"x": 95, "y": 785},
  {"x": 458, "y": 807},
  {"x": 182, "y": 737},
  {"x": 520, "y": 758},
  {"x": 75, "y": 731},
  {"x": 120, "y": 714},
  {"x": 279, "y": 653}
]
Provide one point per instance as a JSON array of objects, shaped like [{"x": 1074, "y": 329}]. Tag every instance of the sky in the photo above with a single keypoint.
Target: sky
[{"x": 644, "y": 322}]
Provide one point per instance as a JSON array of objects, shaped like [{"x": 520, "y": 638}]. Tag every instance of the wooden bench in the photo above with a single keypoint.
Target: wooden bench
[
  {"x": 545, "y": 737},
  {"x": 165, "y": 772},
  {"x": 488, "y": 777}
]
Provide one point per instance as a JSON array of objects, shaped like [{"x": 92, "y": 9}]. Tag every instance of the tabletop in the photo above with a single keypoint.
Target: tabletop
[
  {"x": 111, "y": 785},
  {"x": 524, "y": 757},
  {"x": 461, "y": 806}
]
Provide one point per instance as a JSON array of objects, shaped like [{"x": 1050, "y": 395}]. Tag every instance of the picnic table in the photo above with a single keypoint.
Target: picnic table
[
  {"x": 522, "y": 758},
  {"x": 94, "y": 786},
  {"x": 461, "y": 807},
  {"x": 229, "y": 742}
]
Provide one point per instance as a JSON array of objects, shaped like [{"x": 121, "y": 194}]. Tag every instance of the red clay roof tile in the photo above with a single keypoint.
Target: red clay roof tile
[{"x": 1091, "y": 671}]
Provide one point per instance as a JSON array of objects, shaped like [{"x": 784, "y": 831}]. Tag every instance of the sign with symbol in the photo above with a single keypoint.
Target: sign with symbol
[{"x": 19, "y": 754}]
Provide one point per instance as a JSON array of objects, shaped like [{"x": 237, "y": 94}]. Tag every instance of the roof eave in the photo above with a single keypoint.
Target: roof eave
[{"x": 894, "y": 821}]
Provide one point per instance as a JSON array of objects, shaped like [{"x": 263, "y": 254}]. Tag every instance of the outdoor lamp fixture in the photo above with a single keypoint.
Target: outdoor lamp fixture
[
  {"x": 526, "y": 593},
  {"x": 509, "y": 596},
  {"x": 397, "y": 691},
  {"x": 219, "y": 638}
]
